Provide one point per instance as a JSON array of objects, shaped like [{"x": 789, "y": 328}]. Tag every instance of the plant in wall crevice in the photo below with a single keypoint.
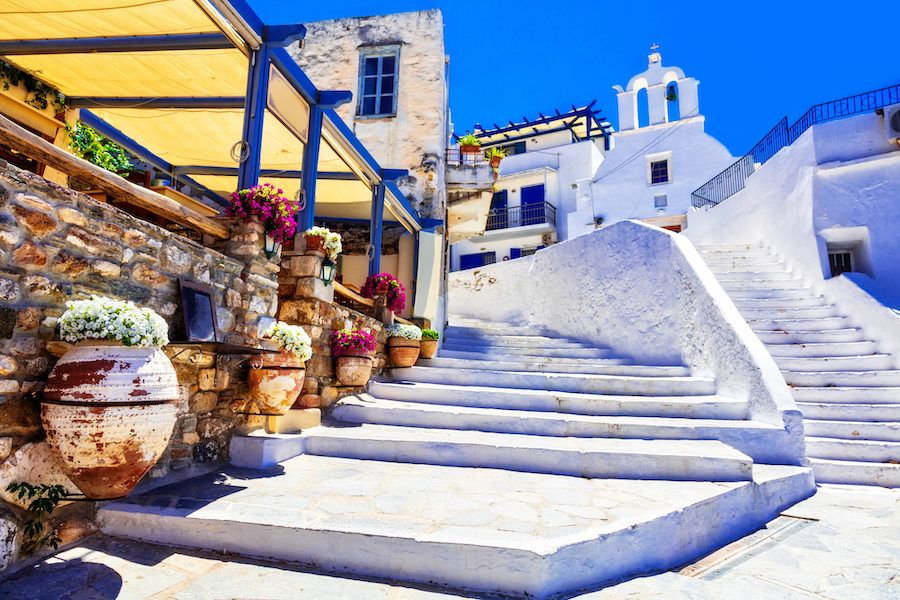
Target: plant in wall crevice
[
  {"x": 43, "y": 499},
  {"x": 96, "y": 149}
]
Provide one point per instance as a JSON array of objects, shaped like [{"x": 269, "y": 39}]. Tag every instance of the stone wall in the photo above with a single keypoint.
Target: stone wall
[
  {"x": 56, "y": 245},
  {"x": 416, "y": 137}
]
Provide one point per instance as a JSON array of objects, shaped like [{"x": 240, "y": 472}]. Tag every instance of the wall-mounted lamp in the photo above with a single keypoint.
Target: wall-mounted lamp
[
  {"x": 271, "y": 246},
  {"x": 329, "y": 270}
]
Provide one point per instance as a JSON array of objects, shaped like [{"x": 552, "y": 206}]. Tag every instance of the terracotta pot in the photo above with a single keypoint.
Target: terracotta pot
[
  {"x": 403, "y": 353},
  {"x": 109, "y": 411},
  {"x": 353, "y": 370},
  {"x": 428, "y": 348},
  {"x": 495, "y": 161},
  {"x": 315, "y": 245},
  {"x": 275, "y": 390},
  {"x": 470, "y": 149}
]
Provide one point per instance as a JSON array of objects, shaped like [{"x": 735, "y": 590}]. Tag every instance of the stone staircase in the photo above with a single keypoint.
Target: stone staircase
[
  {"x": 516, "y": 462},
  {"x": 848, "y": 391}
]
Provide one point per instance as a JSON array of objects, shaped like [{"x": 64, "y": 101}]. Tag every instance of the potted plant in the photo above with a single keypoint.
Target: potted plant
[
  {"x": 109, "y": 405},
  {"x": 276, "y": 380},
  {"x": 352, "y": 349},
  {"x": 322, "y": 240},
  {"x": 469, "y": 144},
  {"x": 403, "y": 344},
  {"x": 494, "y": 156},
  {"x": 266, "y": 205},
  {"x": 429, "y": 345},
  {"x": 386, "y": 290}
]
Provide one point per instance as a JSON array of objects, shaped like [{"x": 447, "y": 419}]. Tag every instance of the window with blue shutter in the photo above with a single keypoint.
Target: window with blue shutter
[{"x": 378, "y": 71}]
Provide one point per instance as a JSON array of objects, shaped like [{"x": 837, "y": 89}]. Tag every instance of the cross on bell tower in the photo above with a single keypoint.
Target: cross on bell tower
[{"x": 654, "y": 57}]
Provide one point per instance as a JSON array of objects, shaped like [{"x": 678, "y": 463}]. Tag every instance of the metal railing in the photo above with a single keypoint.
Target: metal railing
[
  {"x": 732, "y": 180},
  {"x": 520, "y": 216},
  {"x": 455, "y": 158}
]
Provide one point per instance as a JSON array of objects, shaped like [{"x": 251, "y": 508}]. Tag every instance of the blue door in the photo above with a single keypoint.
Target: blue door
[
  {"x": 533, "y": 205},
  {"x": 497, "y": 217}
]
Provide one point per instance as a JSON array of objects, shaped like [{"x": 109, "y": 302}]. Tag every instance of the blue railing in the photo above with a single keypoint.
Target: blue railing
[{"x": 732, "y": 180}]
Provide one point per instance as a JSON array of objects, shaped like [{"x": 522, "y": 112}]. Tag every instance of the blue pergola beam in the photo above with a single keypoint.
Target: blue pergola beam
[
  {"x": 145, "y": 102},
  {"x": 376, "y": 226},
  {"x": 305, "y": 217},
  {"x": 141, "y": 43},
  {"x": 254, "y": 113},
  {"x": 289, "y": 174}
]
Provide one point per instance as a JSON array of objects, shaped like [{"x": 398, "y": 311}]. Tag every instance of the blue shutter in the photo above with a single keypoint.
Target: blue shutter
[
  {"x": 515, "y": 253},
  {"x": 533, "y": 204}
]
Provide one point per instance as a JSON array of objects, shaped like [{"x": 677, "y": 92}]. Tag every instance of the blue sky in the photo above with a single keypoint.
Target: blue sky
[{"x": 757, "y": 61}]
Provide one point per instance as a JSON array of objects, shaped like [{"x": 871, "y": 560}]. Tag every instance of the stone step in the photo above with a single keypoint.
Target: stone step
[
  {"x": 847, "y": 394},
  {"x": 758, "y": 440},
  {"x": 853, "y": 430},
  {"x": 533, "y": 359},
  {"x": 849, "y": 334},
  {"x": 460, "y": 528},
  {"x": 789, "y": 312},
  {"x": 868, "y": 362},
  {"x": 859, "y": 450},
  {"x": 487, "y": 331},
  {"x": 800, "y": 293},
  {"x": 454, "y": 350},
  {"x": 810, "y": 300},
  {"x": 563, "y": 382},
  {"x": 557, "y": 365},
  {"x": 742, "y": 249},
  {"x": 763, "y": 285},
  {"x": 757, "y": 274},
  {"x": 834, "y": 411},
  {"x": 799, "y": 325},
  {"x": 682, "y": 460},
  {"x": 843, "y": 378},
  {"x": 708, "y": 407},
  {"x": 822, "y": 349},
  {"x": 519, "y": 341},
  {"x": 854, "y": 472},
  {"x": 724, "y": 264}
]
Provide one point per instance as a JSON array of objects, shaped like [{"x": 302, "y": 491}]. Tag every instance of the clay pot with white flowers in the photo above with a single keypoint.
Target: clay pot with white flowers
[
  {"x": 403, "y": 344},
  {"x": 276, "y": 380},
  {"x": 109, "y": 404}
]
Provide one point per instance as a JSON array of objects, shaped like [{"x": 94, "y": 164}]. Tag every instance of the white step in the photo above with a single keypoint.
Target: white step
[
  {"x": 800, "y": 301},
  {"x": 869, "y": 362},
  {"x": 758, "y": 440},
  {"x": 769, "y": 293},
  {"x": 847, "y": 394},
  {"x": 833, "y": 411},
  {"x": 849, "y": 334},
  {"x": 519, "y": 341},
  {"x": 843, "y": 378},
  {"x": 478, "y": 351},
  {"x": 799, "y": 325},
  {"x": 681, "y": 460},
  {"x": 853, "y": 430},
  {"x": 823, "y": 349},
  {"x": 709, "y": 407},
  {"x": 758, "y": 274},
  {"x": 763, "y": 285},
  {"x": 462, "y": 331},
  {"x": 789, "y": 312},
  {"x": 855, "y": 472},
  {"x": 557, "y": 365},
  {"x": 464, "y": 529},
  {"x": 563, "y": 382},
  {"x": 724, "y": 264},
  {"x": 861, "y": 450},
  {"x": 745, "y": 249},
  {"x": 532, "y": 359}
]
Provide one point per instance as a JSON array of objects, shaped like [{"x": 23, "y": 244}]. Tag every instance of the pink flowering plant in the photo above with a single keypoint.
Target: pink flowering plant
[
  {"x": 268, "y": 204},
  {"x": 385, "y": 284},
  {"x": 353, "y": 342}
]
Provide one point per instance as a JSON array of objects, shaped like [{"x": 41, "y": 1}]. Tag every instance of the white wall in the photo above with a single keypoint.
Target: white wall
[
  {"x": 646, "y": 293},
  {"x": 620, "y": 188}
]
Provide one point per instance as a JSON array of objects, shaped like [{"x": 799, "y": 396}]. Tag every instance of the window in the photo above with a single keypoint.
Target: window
[
  {"x": 473, "y": 261},
  {"x": 378, "y": 71},
  {"x": 515, "y": 148},
  {"x": 660, "y": 201},
  {"x": 840, "y": 262},
  {"x": 659, "y": 171}
]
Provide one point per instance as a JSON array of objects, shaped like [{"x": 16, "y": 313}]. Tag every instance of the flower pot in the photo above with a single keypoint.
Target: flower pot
[
  {"x": 428, "y": 348},
  {"x": 315, "y": 245},
  {"x": 275, "y": 382},
  {"x": 495, "y": 161},
  {"x": 353, "y": 370},
  {"x": 470, "y": 149},
  {"x": 109, "y": 411},
  {"x": 403, "y": 353}
]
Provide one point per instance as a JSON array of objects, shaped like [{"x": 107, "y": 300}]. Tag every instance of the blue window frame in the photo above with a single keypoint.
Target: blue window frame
[
  {"x": 472, "y": 261},
  {"x": 533, "y": 204},
  {"x": 378, "y": 74}
]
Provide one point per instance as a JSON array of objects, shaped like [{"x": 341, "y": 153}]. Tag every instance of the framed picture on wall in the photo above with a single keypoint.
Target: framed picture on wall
[{"x": 198, "y": 308}]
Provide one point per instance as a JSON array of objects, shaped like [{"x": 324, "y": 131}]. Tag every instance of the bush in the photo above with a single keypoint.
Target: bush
[
  {"x": 101, "y": 318},
  {"x": 266, "y": 203},
  {"x": 353, "y": 342},
  {"x": 385, "y": 284},
  {"x": 430, "y": 334},
  {"x": 291, "y": 338},
  {"x": 406, "y": 332}
]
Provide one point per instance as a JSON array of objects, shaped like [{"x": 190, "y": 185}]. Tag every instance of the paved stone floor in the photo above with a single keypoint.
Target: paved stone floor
[{"x": 843, "y": 543}]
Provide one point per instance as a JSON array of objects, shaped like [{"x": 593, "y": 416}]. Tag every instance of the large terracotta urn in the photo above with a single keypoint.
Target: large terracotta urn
[
  {"x": 275, "y": 381},
  {"x": 109, "y": 411},
  {"x": 403, "y": 352},
  {"x": 353, "y": 370}
]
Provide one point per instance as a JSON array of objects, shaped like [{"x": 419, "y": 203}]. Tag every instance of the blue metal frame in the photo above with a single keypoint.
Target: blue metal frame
[
  {"x": 404, "y": 202},
  {"x": 308, "y": 173},
  {"x": 146, "y": 43},
  {"x": 376, "y": 228},
  {"x": 144, "y": 102},
  {"x": 286, "y": 174},
  {"x": 593, "y": 118},
  {"x": 254, "y": 115}
]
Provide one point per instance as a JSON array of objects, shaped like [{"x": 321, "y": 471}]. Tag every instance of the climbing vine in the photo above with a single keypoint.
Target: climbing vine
[
  {"x": 43, "y": 500},
  {"x": 96, "y": 149},
  {"x": 40, "y": 95}
]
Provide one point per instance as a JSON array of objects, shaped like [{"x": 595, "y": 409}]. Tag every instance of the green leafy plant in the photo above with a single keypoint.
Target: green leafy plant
[
  {"x": 430, "y": 334},
  {"x": 494, "y": 153},
  {"x": 469, "y": 140},
  {"x": 43, "y": 500},
  {"x": 40, "y": 95},
  {"x": 94, "y": 148}
]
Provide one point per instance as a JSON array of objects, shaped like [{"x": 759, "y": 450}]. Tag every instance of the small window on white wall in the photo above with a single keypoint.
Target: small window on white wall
[
  {"x": 659, "y": 168},
  {"x": 660, "y": 201}
]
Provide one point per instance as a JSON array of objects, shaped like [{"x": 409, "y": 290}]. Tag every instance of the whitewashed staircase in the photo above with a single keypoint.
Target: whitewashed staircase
[
  {"x": 520, "y": 414},
  {"x": 848, "y": 391}
]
